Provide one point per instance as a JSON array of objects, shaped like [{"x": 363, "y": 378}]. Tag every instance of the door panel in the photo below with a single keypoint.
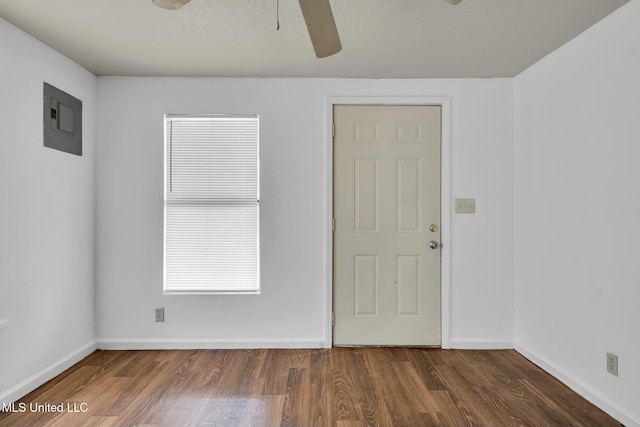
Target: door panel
[
  {"x": 408, "y": 203},
  {"x": 408, "y": 285},
  {"x": 366, "y": 196},
  {"x": 386, "y": 194},
  {"x": 365, "y": 285}
]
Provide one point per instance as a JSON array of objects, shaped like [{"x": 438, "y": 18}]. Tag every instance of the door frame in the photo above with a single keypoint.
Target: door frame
[{"x": 445, "y": 199}]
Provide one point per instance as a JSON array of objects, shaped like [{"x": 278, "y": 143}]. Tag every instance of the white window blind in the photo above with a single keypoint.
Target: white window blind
[{"x": 211, "y": 239}]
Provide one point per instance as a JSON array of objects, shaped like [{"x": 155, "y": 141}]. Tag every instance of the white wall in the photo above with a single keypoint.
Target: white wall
[
  {"x": 291, "y": 311},
  {"x": 577, "y": 212},
  {"x": 46, "y": 220},
  {"x": 576, "y": 206}
]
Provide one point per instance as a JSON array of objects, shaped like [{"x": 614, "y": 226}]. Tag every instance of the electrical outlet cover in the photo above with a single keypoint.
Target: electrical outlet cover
[{"x": 612, "y": 364}]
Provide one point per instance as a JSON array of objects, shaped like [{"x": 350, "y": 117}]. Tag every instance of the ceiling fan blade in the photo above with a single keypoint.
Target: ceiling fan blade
[
  {"x": 170, "y": 4},
  {"x": 452, "y": 1},
  {"x": 322, "y": 27}
]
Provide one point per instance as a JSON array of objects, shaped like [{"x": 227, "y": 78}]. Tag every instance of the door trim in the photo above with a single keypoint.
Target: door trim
[{"x": 445, "y": 198}]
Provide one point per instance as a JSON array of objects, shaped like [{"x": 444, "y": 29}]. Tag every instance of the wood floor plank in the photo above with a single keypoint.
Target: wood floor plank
[
  {"x": 416, "y": 392},
  {"x": 343, "y": 387},
  {"x": 323, "y": 410},
  {"x": 270, "y": 413},
  {"x": 350, "y": 423},
  {"x": 276, "y": 369},
  {"x": 137, "y": 362},
  {"x": 376, "y": 413},
  {"x": 149, "y": 400},
  {"x": 450, "y": 413},
  {"x": 297, "y": 398},
  {"x": 212, "y": 363},
  {"x": 466, "y": 397},
  {"x": 308, "y": 387},
  {"x": 425, "y": 363},
  {"x": 100, "y": 422},
  {"x": 392, "y": 387}
]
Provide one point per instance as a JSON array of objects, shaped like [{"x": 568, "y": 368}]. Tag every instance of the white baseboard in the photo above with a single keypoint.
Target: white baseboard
[
  {"x": 586, "y": 391},
  {"x": 47, "y": 373},
  {"x": 204, "y": 344},
  {"x": 475, "y": 344}
]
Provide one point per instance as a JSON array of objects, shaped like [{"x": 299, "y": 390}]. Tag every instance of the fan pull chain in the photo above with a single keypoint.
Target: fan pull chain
[{"x": 277, "y": 15}]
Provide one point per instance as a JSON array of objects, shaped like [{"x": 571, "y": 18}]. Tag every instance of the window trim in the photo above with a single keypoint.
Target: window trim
[{"x": 169, "y": 170}]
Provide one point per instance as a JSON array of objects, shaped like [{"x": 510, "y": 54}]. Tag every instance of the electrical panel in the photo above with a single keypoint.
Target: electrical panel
[{"x": 62, "y": 121}]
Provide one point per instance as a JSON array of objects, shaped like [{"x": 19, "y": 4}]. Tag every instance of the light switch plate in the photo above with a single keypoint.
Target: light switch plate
[{"x": 465, "y": 206}]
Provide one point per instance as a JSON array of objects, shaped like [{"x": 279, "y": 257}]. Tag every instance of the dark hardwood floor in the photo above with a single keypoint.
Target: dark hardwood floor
[{"x": 312, "y": 387}]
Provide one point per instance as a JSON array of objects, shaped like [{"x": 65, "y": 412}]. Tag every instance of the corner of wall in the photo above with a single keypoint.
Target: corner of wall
[{"x": 47, "y": 250}]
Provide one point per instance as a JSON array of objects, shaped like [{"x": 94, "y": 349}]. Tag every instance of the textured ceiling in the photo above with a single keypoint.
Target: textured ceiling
[{"x": 236, "y": 38}]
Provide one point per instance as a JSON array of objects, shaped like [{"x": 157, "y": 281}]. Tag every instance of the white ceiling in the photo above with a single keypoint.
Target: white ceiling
[{"x": 237, "y": 38}]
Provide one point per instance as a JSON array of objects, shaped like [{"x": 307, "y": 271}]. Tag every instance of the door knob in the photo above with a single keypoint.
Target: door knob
[{"x": 433, "y": 244}]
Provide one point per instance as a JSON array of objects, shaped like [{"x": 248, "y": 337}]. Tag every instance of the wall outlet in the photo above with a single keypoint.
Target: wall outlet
[
  {"x": 160, "y": 314},
  {"x": 612, "y": 364}
]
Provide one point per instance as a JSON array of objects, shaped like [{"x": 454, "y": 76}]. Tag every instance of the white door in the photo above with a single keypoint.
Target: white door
[{"x": 386, "y": 188}]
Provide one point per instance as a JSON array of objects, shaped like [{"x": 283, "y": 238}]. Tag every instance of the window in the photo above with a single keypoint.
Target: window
[{"x": 211, "y": 205}]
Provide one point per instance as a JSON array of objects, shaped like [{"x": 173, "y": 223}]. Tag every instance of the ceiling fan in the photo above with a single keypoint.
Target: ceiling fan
[{"x": 318, "y": 17}]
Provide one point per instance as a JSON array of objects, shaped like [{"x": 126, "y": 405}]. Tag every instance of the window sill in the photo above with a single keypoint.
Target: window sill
[{"x": 169, "y": 293}]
